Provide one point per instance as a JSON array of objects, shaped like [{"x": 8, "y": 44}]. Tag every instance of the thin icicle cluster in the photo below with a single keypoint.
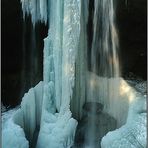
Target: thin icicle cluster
[
  {"x": 37, "y": 9},
  {"x": 79, "y": 97}
]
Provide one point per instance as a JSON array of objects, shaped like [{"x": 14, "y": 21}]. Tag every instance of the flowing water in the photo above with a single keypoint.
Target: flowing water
[
  {"x": 104, "y": 62},
  {"x": 104, "y": 52}
]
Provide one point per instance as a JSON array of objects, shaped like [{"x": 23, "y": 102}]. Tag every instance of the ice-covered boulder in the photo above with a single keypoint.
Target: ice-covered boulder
[{"x": 133, "y": 133}]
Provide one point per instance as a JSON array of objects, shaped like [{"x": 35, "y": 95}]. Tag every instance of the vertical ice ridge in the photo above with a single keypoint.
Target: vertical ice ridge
[
  {"x": 58, "y": 49},
  {"x": 79, "y": 96},
  {"x": 71, "y": 31}
]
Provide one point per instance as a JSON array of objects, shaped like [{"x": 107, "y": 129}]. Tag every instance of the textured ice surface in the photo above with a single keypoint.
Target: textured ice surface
[
  {"x": 139, "y": 85},
  {"x": 57, "y": 131},
  {"x": 13, "y": 136},
  {"x": 133, "y": 133}
]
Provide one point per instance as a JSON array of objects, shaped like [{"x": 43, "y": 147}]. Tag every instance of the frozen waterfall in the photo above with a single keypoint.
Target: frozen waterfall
[{"x": 51, "y": 112}]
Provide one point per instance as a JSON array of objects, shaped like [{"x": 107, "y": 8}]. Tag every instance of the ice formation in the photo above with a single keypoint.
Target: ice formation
[
  {"x": 133, "y": 133},
  {"x": 25, "y": 121},
  {"x": 45, "y": 118},
  {"x": 38, "y": 107}
]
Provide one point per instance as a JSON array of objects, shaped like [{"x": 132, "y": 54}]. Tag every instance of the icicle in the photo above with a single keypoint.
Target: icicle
[
  {"x": 33, "y": 11},
  {"x": 126, "y": 2},
  {"x": 25, "y": 7},
  {"x": 37, "y": 9},
  {"x": 43, "y": 10}
]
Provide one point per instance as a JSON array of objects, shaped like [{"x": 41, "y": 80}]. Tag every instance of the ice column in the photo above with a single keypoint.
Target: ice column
[
  {"x": 79, "y": 97},
  {"x": 60, "y": 49},
  {"x": 61, "y": 45}
]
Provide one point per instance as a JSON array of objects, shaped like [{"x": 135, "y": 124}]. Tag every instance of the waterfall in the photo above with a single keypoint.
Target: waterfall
[
  {"x": 105, "y": 60},
  {"x": 105, "y": 66},
  {"x": 104, "y": 51}
]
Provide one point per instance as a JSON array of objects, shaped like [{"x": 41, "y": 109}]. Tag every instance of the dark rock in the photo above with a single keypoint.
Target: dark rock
[
  {"x": 131, "y": 23},
  {"x": 93, "y": 107},
  {"x": 102, "y": 124}
]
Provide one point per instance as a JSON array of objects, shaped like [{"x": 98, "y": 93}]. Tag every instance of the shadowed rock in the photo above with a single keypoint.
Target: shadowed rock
[
  {"x": 103, "y": 123},
  {"x": 93, "y": 107}
]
